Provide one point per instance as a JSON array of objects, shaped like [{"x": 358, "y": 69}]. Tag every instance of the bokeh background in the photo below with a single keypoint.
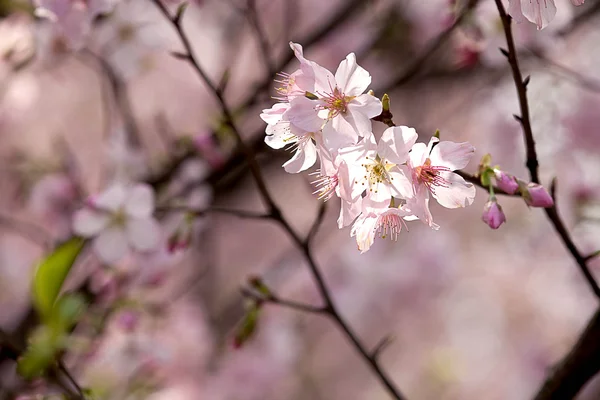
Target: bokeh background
[{"x": 474, "y": 313}]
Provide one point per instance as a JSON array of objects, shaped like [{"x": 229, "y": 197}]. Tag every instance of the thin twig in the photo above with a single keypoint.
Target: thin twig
[
  {"x": 276, "y": 215},
  {"x": 63, "y": 368},
  {"x": 285, "y": 303}
]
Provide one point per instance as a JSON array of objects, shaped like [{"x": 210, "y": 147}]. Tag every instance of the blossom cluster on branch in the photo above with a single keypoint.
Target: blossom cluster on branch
[{"x": 381, "y": 183}]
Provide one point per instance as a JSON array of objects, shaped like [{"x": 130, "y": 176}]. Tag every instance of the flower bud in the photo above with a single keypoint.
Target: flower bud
[
  {"x": 506, "y": 182},
  {"x": 493, "y": 214},
  {"x": 537, "y": 196}
]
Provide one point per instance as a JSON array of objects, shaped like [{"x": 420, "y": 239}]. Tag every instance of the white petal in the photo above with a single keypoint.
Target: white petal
[
  {"x": 395, "y": 143},
  {"x": 348, "y": 212},
  {"x": 304, "y": 158},
  {"x": 140, "y": 201},
  {"x": 368, "y": 105},
  {"x": 418, "y": 154},
  {"x": 304, "y": 114},
  {"x": 111, "y": 245},
  {"x": 401, "y": 184},
  {"x": 459, "y": 193},
  {"x": 88, "y": 222},
  {"x": 351, "y": 78},
  {"x": 273, "y": 115},
  {"x": 112, "y": 199},
  {"x": 452, "y": 155},
  {"x": 279, "y": 135},
  {"x": 364, "y": 230},
  {"x": 143, "y": 234},
  {"x": 514, "y": 10},
  {"x": 360, "y": 122},
  {"x": 338, "y": 133}
]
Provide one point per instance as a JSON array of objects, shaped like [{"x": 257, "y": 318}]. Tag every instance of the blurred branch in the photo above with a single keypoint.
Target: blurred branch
[
  {"x": 261, "y": 37},
  {"x": 583, "y": 81},
  {"x": 436, "y": 44},
  {"x": 585, "y": 16},
  {"x": 330, "y": 308},
  {"x": 577, "y": 368},
  {"x": 121, "y": 98},
  {"x": 29, "y": 231}
]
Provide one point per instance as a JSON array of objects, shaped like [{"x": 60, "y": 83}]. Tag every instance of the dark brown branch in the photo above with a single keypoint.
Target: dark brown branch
[
  {"x": 577, "y": 368},
  {"x": 532, "y": 162},
  {"x": 276, "y": 215}
]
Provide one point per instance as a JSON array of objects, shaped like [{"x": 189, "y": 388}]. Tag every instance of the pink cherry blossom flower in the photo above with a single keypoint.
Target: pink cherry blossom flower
[
  {"x": 339, "y": 101},
  {"x": 430, "y": 167},
  {"x": 493, "y": 214},
  {"x": 535, "y": 195},
  {"x": 506, "y": 182},
  {"x": 383, "y": 223},
  {"x": 374, "y": 168},
  {"x": 119, "y": 219},
  {"x": 281, "y": 133}
]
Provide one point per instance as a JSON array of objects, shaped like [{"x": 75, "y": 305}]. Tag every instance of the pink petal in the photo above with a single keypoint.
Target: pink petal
[
  {"x": 401, "y": 184},
  {"x": 348, "y": 212},
  {"x": 418, "y": 154},
  {"x": 304, "y": 158},
  {"x": 140, "y": 201},
  {"x": 457, "y": 194},
  {"x": 367, "y": 105},
  {"x": 112, "y": 199},
  {"x": 351, "y": 78},
  {"x": 143, "y": 234},
  {"x": 111, "y": 245},
  {"x": 540, "y": 12},
  {"x": 452, "y": 155},
  {"x": 273, "y": 115},
  {"x": 395, "y": 143},
  {"x": 304, "y": 114},
  {"x": 88, "y": 222}
]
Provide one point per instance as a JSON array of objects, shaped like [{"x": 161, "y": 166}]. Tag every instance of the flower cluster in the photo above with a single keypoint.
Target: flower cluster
[{"x": 381, "y": 183}]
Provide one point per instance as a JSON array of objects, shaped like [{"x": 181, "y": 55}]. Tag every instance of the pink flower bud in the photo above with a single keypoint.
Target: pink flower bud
[
  {"x": 493, "y": 214},
  {"x": 506, "y": 182},
  {"x": 537, "y": 196}
]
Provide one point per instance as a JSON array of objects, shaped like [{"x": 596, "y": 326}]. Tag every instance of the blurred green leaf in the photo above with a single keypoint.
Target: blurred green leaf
[
  {"x": 248, "y": 326},
  {"x": 51, "y": 274},
  {"x": 66, "y": 313},
  {"x": 40, "y": 353}
]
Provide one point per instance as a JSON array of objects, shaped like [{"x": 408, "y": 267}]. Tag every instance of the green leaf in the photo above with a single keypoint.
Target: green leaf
[
  {"x": 66, "y": 313},
  {"x": 247, "y": 328},
  {"x": 51, "y": 274},
  {"x": 39, "y": 355}
]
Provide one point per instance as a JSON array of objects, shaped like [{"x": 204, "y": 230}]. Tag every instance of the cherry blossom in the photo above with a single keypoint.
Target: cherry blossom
[
  {"x": 337, "y": 102},
  {"x": 281, "y": 133},
  {"x": 382, "y": 223},
  {"x": 373, "y": 167},
  {"x": 119, "y": 219},
  {"x": 430, "y": 167}
]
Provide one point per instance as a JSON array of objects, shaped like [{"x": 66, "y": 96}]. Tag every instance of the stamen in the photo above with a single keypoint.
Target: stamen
[
  {"x": 429, "y": 175},
  {"x": 325, "y": 185},
  {"x": 389, "y": 225}
]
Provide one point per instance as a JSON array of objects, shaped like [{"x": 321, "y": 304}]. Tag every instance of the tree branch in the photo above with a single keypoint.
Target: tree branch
[{"x": 330, "y": 309}]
